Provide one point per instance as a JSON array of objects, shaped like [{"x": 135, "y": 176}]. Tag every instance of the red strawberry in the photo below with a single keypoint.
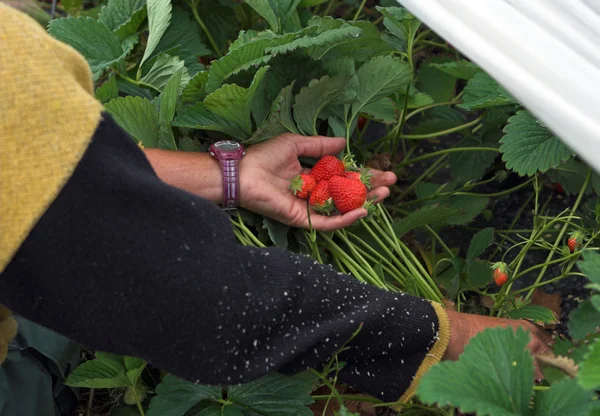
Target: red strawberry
[
  {"x": 559, "y": 188},
  {"x": 500, "y": 275},
  {"x": 364, "y": 176},
  {"x": 574, "y": 241},
  {"x": 302, "y": 185},
  {"x": 320, "y": 197},
  {"x": 360, "y": 124},
  {"x": 347, "y": 194},
  {"x": 327, "y": 167}
]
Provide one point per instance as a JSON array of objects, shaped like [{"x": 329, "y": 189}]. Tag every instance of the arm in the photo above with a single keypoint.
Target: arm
[
  {"x": 265, "y": 174},
  {"x": 125, "y": 263}
]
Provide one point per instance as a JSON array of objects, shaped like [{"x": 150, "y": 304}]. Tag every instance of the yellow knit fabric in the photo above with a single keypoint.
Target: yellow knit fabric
[
  {"x": 434, "y": 355},
  {"x": 48, "y": 115}
]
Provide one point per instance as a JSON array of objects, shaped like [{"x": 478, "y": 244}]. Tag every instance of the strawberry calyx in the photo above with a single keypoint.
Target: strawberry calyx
[
  {"x": 325, "y": 207},
  {"x": 501, "y": 266}
]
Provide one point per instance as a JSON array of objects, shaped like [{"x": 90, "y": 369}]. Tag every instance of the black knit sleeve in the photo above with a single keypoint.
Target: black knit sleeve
[{"x": 124, "y": 263}]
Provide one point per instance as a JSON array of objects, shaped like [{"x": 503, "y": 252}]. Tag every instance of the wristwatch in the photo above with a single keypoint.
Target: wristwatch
[{"x": 229, "y": 153}]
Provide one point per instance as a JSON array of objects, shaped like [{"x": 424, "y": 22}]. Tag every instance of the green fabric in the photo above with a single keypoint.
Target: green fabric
[{"x": 31, "y": 378}]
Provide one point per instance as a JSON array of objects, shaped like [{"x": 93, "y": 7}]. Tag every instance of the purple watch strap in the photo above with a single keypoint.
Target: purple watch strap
[{"x": 231, "y": 180}]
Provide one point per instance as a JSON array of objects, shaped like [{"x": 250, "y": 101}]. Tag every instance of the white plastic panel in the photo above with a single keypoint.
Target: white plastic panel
[{"x": 546, "y": 53}]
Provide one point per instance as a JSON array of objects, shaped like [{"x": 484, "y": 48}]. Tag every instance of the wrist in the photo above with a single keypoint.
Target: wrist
[{"x": 197, "y": 173}]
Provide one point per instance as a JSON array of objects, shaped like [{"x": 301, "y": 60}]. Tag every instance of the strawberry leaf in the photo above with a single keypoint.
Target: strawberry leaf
[
  {"x": 159, "y": 16},
  {"x": 528, "y": 147},
  {"x": 164, "y": 67},
  {"x": 439, "y": 85},
  {"x": 589, "y": 373},
  {"x": 234, "y": 103},
  {"x": 107, "y": 91},
  {"x": 566, "y": 397},
  {"x": 383, "y": 110},
  {"x": 137, "y": 116},
  {"x": 107, "y": 371},
  {"x": 483, "y": 91},
  {"x": 174, "y": 396},
  {"x": 123, "y": 16},
  {"x": 92, "y": 39},
  {"x": 195, "y": 90},
  {"x": 278, "y": 232},
  {"x": 536, "y": 313},
  {"x": 378, "y": 78},
  {"x": 480, "y": 241},
  {"x": 168, "y": 103},
  {"x": 201, "y": 118},
  {"x": 462, "y": 69},
  {"x": 313, "y": 99},
  {"x": 401, "y": 24},
  {"x": 277, "y": 13},
  {"x": 494, "y": 376}
]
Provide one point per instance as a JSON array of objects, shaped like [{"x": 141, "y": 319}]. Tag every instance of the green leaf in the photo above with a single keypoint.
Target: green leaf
[
  {"x": 329, "y": 38},
  {"x": 584, "y": 321},
  {"x": 92, "y": 39},
  {"x": 137, "y": 116},
  {"x": 571, "y": 176},
  {"x": 71, "y": 6},
  {"x": 134, "y": 367},
  {"x": 564, "y": 398},
  {"x": 437, "y": 84},
  {"x": 282, "y": 108},
  {"x": 168, "y": 103},
  {"x": 123, "y": 16},
  {"x": 235, "y": 103},
  {"x": 462, "y": 69},
  {"x": 273, "y": 395},
  {"x": 276, "y": 12},
  {"x": 401, "y": 24},
  {"x": 183, "y": 39},
  {"x": 195, "y": 89},
  {"x": 314, "y": 98},
  {"x": 494, "y": 376},
  {"x": 163, "y": 69},
  {"x": 591, "y": 266},
  {"x": 159, "y": 16},
  {"x": 479, "y": 274},
  {"x": 383, "y": 110},
  {"x": 589, "y": 369},
  {"x": 427, "y": 215},
  {"x": 528, "y": 147},
  {"x": 201, "y": 118},
  {"x": 438, "y": 119},
  {"x": 536, "y": 313},
  {"x": 107, "y": 91},
  {"x": 472, "y": 165},
  {"x": 277, "y": 232},
  {"x": 237, "y": 60},
  {"x": 105, "y": 371},
  {"x": 311, "y": 3},
  {"x": 378, "y": 78},
  {"x": 480, "y": 241},
  {"x": 483, "y": 91},
  {"x": 174, "y": 396}
]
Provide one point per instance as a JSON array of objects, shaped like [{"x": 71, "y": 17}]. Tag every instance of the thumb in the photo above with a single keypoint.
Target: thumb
[{"x": 318, "y": 146}]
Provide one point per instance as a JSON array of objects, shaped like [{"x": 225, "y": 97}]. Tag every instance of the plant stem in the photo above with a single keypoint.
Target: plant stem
[
  {"x": 562, "y": 232},
  {"x": 136, "y": 83},
  {"x": 403, "y": 116},
  {"x": 445, "y": 152},
  {"x": 512, "y": 225},
  {"x": 362, "y": 4},
  {"x": 437, "y": 165},
  {"x": 349, "y": 397},
  {"x": 443, "y": 132},
  {"x": 209, "y": 36},
  {"x": 329, "y": 8},
  {"x": 430, "y": 106},
  {"x": 137, "y": 401}
]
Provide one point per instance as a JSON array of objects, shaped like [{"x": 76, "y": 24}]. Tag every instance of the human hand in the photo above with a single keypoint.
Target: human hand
[
  {"x": 465, "y": 326},
  {"x": 268, "y": 167}
]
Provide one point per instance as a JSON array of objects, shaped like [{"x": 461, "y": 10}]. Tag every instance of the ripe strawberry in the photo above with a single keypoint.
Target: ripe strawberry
[
  {"x": 360, "y": 124},
  {"x": 347, "y": 194},
  {"x": 327, "y": 167},
  {"x": 559, "y": 188},
  {"x": 302, "y": 185},
  {"x": 320, "y": 197},
  {"x": 363, "y": 175},
  {"x": 500, "y": 273},
  {"x": 574, "y": 241}
]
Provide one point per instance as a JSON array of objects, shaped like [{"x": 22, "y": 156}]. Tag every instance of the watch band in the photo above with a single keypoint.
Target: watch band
[{"x": 231, "y": 180}]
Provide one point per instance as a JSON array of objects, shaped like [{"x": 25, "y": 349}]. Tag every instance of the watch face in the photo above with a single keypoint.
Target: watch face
[{"x": 227, "y": 146}]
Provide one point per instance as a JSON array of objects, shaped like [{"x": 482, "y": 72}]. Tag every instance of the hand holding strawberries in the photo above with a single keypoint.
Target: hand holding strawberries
[{"x": 270, "y": 177}]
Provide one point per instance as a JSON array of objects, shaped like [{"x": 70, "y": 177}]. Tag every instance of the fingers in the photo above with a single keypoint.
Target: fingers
[
  {"x": 379, "y": 194},
  {"x": 318, "y": 146},
  {"x": 380, "y": 178},
  {"x": 336, "y": 222}
]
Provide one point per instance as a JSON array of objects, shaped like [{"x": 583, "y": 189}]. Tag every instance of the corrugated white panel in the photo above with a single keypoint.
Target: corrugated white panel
[{"x": 546, "y": 53}]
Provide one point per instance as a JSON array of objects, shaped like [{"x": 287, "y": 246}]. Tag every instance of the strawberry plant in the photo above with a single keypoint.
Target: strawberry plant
[{"x": 181, "y": 75}]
